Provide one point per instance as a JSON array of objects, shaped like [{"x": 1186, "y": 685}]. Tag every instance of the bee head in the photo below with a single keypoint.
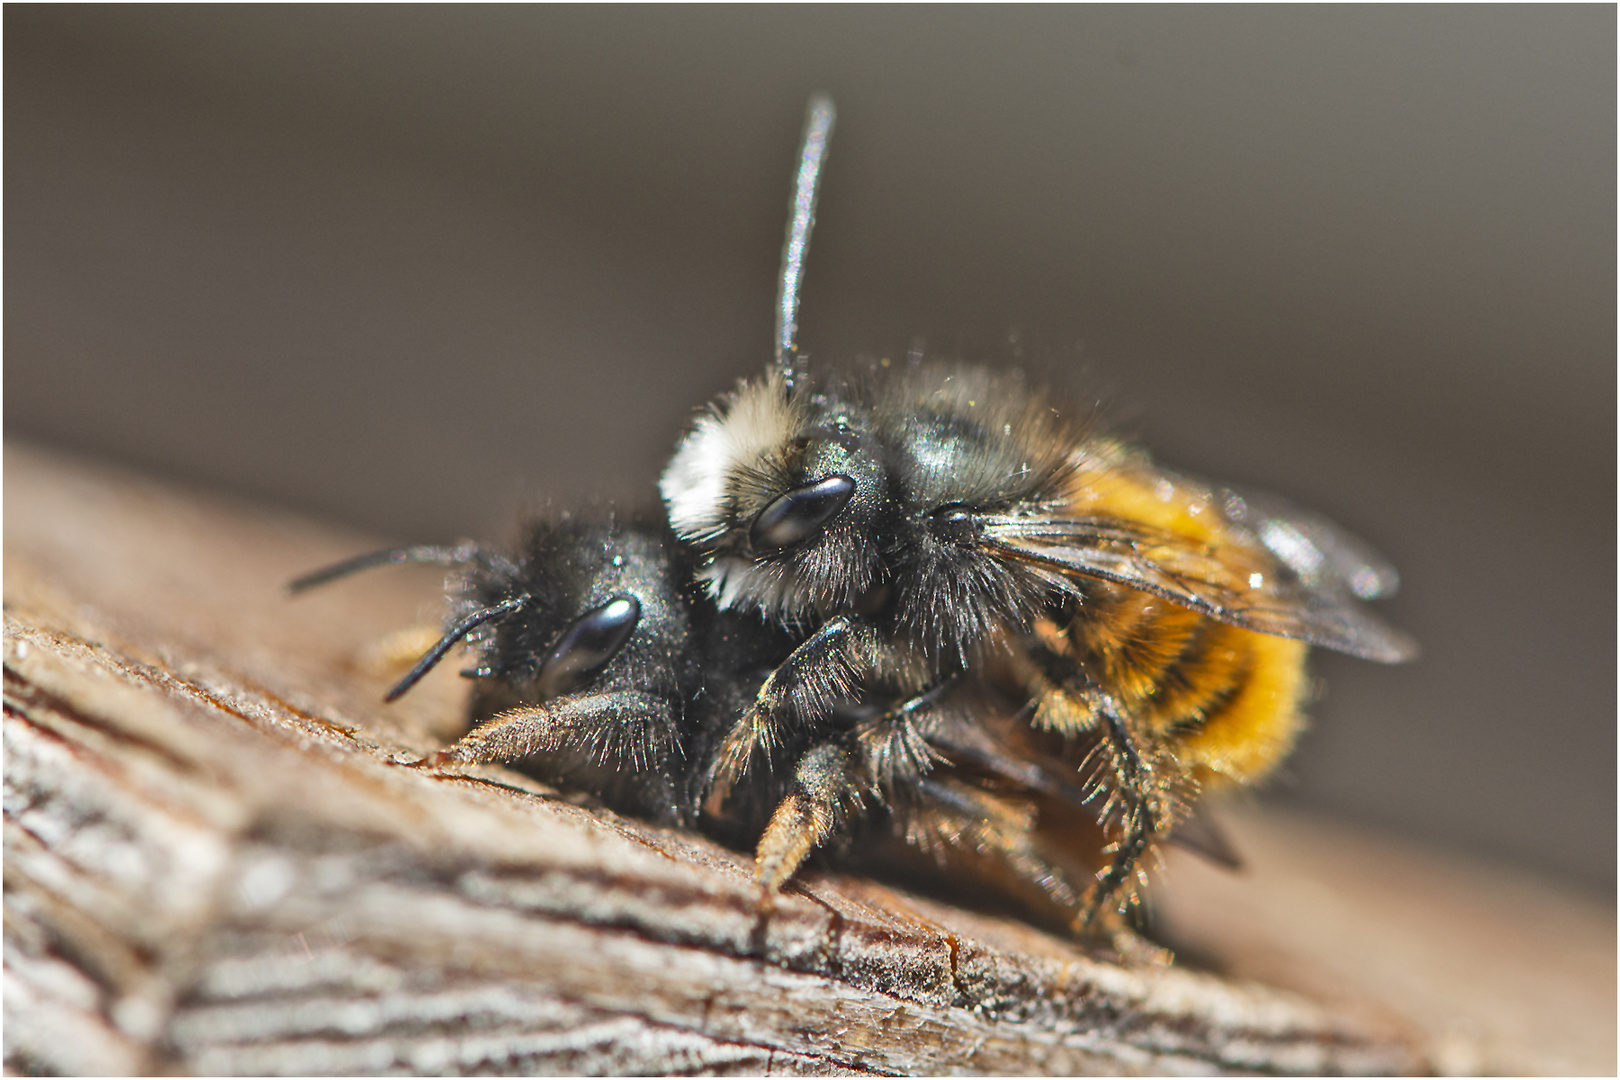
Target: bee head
[
  {"x": 584, "y": 660},
  {"x": 783, "y": 494},
  {"x": 600, "y": 611}
]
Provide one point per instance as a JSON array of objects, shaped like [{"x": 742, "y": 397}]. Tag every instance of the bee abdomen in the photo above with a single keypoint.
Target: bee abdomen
[{"x": 1222, "y": 700}]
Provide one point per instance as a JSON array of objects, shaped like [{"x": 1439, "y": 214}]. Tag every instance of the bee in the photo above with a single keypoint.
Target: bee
[
  {"x": 581, "y": 637},
  {"x": 921, "y": 526},
  {"x": 601, "y": 669}
]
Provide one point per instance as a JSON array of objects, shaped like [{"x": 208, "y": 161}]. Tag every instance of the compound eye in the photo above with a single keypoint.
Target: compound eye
[
  {"x": 799, "y": 514},
  {"x": 588, "y": 644},
  {"x": 956, "y": 524}
]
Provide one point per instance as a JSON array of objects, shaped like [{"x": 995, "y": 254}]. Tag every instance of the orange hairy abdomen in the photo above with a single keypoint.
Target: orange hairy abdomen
[{"x": 1222, "y": 700}]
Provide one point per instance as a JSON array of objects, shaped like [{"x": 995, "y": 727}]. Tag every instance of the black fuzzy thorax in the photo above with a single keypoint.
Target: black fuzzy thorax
[{"x": 950, "y": 443}]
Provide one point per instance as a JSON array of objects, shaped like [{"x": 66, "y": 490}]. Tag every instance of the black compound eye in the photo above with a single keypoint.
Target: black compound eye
[
  {"x": 589, "y": 643},
  {"x": 955, "y": 523},
  {"x": 799, "y": 514}
]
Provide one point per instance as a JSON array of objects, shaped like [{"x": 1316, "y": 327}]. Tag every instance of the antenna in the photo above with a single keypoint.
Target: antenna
[{"x": 818, "y": 124}]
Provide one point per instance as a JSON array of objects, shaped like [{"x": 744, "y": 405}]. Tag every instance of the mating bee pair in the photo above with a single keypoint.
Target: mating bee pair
[{"x": 925, "y": 604}]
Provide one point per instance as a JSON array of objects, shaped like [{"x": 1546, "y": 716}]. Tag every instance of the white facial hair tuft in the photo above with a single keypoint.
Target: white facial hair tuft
[{"x": 757, "y": 420}]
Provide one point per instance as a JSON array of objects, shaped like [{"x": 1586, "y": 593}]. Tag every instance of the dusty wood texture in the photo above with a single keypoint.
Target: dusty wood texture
[{"x": 215, "y": 864}]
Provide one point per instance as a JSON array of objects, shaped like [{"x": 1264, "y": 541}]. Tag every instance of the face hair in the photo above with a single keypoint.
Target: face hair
[{"x": 723, "y": 452}]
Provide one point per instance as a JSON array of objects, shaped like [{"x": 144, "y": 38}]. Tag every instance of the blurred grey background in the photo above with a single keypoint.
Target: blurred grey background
[{"x": 411, "y": 267}]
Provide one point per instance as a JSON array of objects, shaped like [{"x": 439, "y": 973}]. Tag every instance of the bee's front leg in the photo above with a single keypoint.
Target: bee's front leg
[
  {"x": 880, "y": 759},
  {"x": 894, "y": 747},
  {"x": 822, "y": 671},
  {"x": 624, "y": 727}
]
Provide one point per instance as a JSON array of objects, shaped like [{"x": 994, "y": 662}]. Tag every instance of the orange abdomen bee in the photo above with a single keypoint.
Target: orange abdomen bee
[{"x": 932, "y": 526}]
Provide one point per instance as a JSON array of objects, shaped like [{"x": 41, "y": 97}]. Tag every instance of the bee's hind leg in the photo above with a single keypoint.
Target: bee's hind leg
[
  {"x": 1142, "y": 803},
  {"x": 985, "y": 833}
]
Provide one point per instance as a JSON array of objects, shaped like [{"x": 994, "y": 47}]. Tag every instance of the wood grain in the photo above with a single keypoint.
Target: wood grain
[{"x": 215, "y": 863}]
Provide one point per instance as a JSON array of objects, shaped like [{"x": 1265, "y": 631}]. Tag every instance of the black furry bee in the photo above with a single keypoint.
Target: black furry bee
[
  {"x": 582, "y": 638},
  {"x": 921, "y": 525}
]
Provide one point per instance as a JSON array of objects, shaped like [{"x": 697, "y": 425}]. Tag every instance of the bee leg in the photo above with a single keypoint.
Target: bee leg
[
  {"x": 1135, "y": 793},
  {"x": 621, "y": 726},
  {"x": 895, "y": 751},
  {"x": 1112, "y": 882},
  {"x": 977, "y": 749},
  {"x": 808, "y": 683},
  {"x": 822, "y": 795},
  {"x": 953, "y": 821},
  {"x": 913, "y": 708}
]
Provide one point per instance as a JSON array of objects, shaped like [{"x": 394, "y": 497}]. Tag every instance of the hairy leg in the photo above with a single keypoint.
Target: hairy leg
[
  {"x": 621, "y": 727},
  {"x": 813, "y": 678}
]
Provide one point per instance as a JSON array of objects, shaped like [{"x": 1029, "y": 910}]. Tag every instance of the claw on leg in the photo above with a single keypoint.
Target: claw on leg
[{"x": 746, "y": 736}]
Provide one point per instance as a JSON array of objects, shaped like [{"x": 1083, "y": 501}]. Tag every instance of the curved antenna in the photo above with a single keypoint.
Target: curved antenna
[
  {"x": 431, "y": 658},
  {"x": 421, "y": 553},
  {"x": 812, "y": 158}
]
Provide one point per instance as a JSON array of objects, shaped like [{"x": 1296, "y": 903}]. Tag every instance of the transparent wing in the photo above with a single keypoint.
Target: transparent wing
[
  {"x": 1243, "y": 580},
  {"x": 1322, "y": 554}
]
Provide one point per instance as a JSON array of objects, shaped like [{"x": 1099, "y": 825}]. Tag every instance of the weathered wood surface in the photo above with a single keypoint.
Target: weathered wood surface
[{"x": 214, "y": 863}]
